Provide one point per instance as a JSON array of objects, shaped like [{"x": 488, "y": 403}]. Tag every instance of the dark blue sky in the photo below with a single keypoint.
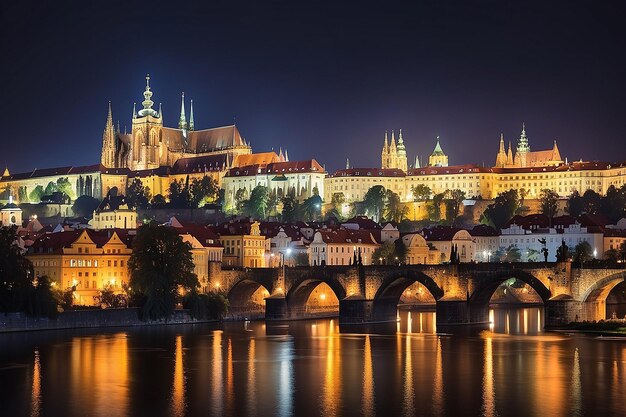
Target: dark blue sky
[{"x": 321, "y": 79}]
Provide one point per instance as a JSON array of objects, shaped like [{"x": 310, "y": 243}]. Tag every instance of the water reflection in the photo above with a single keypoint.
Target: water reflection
[
  {"x": 35, "y": 408},
  {"x": 368, "y": 379},
  {"x": 178, "y": 386},
  {"x": 489, "y": 398},
  {"x": 309, "y": 368}
]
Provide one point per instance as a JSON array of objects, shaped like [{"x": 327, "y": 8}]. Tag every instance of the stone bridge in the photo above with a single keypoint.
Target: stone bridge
[{"x": 370, "y": 294}]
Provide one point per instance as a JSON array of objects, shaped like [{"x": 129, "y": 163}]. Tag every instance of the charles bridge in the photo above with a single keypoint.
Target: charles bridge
[{"x": 370, "y": 294}]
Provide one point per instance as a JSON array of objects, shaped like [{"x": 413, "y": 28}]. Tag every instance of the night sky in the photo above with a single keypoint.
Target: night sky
[{"x": 320, "y": 79}]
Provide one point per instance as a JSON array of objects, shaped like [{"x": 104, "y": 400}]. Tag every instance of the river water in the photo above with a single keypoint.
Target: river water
[{"x": 314, "y": 368}]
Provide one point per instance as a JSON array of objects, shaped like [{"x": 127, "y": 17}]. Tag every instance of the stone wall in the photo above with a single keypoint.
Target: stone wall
[{"x": 118, "y": 317}]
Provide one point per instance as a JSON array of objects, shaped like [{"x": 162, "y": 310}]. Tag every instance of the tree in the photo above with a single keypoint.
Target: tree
[
  {"x": 212, "y": 305},
  {"x": 241, "y": 196},
  {"x": 374, "y": 202},
  {"x": 272, "y": 202},
  {"x": 301, "y": 259},
  {"x": 384, "y": 254},
  {"x": 161, "y": 266},
  {"x": 41, "y": 300},
  {"x": 36, "y": 194},
  {"x": 315, "y": 191},
  {"x": 434, "y": 209},
  {"x": 549, "y": 203},
  {"x": 256, "y": 206},
  {"x": 336, "y": 206},
  {"x": 204, "y": 191},
  {"x": 290, "y": 209},
  {"x": 575, "y": 204},
  {"x": 421, "y": 192},
  {"x": 137, "y": 195},
  {"x": 16, "y": 272},
  {"x": 502, "y": 210},
  {"x": 158, "y": 201},
  {"x": 512, "y": 254},
  {"x": 312, "y": 208},
  {"x": 583, "y": 253},
  {"x": 178, "y": 194},
  {"x": 84, "y": 206},
  {"x": 63, "y": 185},
  {"x": 51, "y": 188},
  {"x": 22, "y": 194},
  {"x": 395, "y": 211},
  {"x": 108, "y": 298},
  {"x": 453, "y": 204}
]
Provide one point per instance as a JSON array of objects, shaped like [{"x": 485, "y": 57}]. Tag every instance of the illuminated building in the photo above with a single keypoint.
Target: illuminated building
[
  {"x": 243, "y": 244},
  {"x": 339, "y": 246},
  {"x": 86, "y": 260},
  {"x": 113, "y": 213},
  {"x": 301, "y": 179}
]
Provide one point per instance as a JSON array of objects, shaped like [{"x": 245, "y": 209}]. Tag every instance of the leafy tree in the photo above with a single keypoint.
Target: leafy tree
[
  {"x": 400, "y": 250},
  {"x": 613, "y": 205},
  {"x": 374, "y": 202},
  {"x": 453, "y": 204},
  {"x": 109, "y": 299},
  {"x": 583, "y": 253},
  {"x": 161, "y": 265},
  {"x": 532, "y": 255},
  {"x": 241, "y": 196},
  {"x": 512, "y": 254},
  {"x": 434, "y": 209},
  {"x": 315, "y": 191},
  {"x": 612, "y": 255},
  {"x": 312, "y": 208},
  {"x": 208, "y": 306},
  {"x": 204, "y": 191},
  {"x": 394, "y": 210},
  {"x": 272, "y": 202},
  {"x": 36, "y": 194},
  {"x": 421, "y": 192},
  {"x": 290, "y": 209},
  {"x": 85, "y": 206},
  {"x": 51, "y": 188},
  {"x": 179, "y": 195},
  {"x": 549, "y": 203},
  {"x": 16, "y": 272},
  {"x": 301, "y": 259},
  {"x": 137, "y": 195},
  {"x": 385, "y": 254},
  {"x": 63, "y": 185},
  {"x": 22, "y": 194},
  {"x": 502, "y": 210},
  {"x": 41, "y": 300},
  {"x": 336, "y": 206},
  {"x": 256, "y": 206},
  {"x": 158, "y": 201},
  {"x": 575, "y": 204}
]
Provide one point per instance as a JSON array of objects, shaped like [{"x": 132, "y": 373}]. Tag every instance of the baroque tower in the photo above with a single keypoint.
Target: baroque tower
[
  {"x": 401, "y": 160},
  {"x": 146, "y": 149},
  {"x": 522, "y": 149}
]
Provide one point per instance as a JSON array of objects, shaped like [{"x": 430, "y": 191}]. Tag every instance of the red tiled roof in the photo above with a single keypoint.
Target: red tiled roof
[
  {"x": 309, "y": 165},
  {"x": 342, "y": 235},
  {"x": 369, "y": 172}
]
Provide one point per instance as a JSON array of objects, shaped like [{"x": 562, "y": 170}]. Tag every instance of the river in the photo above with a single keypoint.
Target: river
[{"x": 314, "y": 368}]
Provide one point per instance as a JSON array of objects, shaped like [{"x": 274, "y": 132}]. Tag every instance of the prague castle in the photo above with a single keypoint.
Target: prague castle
[
  {"x": 532, "y": 171},
  {"x": 157, "y": 155}
]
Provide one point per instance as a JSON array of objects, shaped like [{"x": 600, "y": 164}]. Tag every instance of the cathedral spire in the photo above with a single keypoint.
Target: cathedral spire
[
  {"x": 182, "y": 121},
  {"x": 417, "y": 162},
  {"x": 161, "y": 110},
  {"x": 191, "y": 124},
  {"x": 286, "y": 156},
  {"x": 134, "y": 110},
  {"x": 386, "y": 145},
  {"x": 147, "y": 95},
  {"x": 347, "y": 163}
]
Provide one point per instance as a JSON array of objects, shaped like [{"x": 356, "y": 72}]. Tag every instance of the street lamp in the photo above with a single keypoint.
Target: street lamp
[
  {"x": 488, "y": 256},
  {"x": 595, "y": 253}
]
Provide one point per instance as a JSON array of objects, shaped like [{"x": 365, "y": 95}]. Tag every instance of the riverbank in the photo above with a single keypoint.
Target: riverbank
[
  {"x": 602, "y": 328},
  {"x": 78, "y": 319}
]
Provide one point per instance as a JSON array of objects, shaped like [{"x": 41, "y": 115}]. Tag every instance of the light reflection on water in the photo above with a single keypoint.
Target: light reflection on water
[{"x": 310, "y": 368}]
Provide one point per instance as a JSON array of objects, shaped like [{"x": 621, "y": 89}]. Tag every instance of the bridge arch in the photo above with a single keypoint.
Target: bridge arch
[
  {"x": 394, "y": 284},
  {"x": 301, "y": 289},
  {"x": 242, "y": 294},
  {"x": 599, "y": 291},
  {"x": 488, "y": 282}
]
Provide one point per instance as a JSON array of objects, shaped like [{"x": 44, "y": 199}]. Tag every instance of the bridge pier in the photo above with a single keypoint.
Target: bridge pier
[
  {"x": 456, "y": 312},
  {"x": 356, "y": 310},
  {"x": 560, "y": 312},
  {"x": 276, "y": 308}
]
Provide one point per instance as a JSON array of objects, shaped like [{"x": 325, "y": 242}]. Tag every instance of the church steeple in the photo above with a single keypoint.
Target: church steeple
[
  {"x": 107, "y": 157},
  {"x": 182, "y": 121},
  {"x": 501, "y": 155},
  {"x": 147, "y": 102},
  {"x": 161, "y": 110},
  {"x": 522, "y": 149},
  {"x": 191, "y": 124},
  {"x": 401, "y": 160},
  {"x": 417, "y": 162},
  {"x": 384, "y": 157},
  {"x": 347, "y": 163}
]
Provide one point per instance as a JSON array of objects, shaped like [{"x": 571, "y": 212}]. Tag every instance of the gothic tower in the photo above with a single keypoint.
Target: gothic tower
[
  {"x": 384, "y": 157},
  {"x": 393, "y": 152},
  {"x": 146, "y": 149},
  {"x": 522, "y": 149},
  {"x": 401, "y": 161},
  {"x": 107, "y": 158},
  {"x": 501, "y": 156}
]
